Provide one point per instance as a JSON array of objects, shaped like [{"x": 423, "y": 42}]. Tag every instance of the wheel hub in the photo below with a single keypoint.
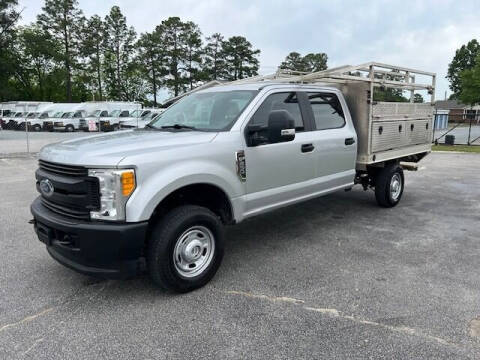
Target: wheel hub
[
  {"x": 395, "y": 187},
  {"x": 194, "y": 251}
]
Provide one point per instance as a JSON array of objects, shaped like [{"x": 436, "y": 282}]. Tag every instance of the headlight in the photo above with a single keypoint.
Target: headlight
[{"x": 116, "y": 186}]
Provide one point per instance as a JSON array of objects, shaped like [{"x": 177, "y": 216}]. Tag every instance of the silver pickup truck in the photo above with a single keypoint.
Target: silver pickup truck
[{"x": 160, "y": 197}]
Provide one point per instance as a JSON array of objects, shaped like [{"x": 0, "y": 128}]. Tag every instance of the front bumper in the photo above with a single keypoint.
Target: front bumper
[{"x": 112, "y": 251}]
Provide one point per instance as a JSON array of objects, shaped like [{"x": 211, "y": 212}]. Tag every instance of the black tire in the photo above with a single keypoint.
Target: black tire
[
  {"x": 69, "y": 128},
  {"x": 37, "y": 128},
  {"x": 385, "y": 195},
  {"x": 162, "y": 244}
]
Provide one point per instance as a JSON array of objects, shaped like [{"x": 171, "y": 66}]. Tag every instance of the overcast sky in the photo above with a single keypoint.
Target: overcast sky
[{"x": 417, "y": 34}]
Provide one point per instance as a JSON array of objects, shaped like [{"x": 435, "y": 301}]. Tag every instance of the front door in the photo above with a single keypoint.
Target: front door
[{"x": 281, "y": 172}]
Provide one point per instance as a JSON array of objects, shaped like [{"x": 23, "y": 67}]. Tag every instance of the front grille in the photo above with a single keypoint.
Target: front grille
[
  {"x": 75, "y": 193},
  {"x": 60, "y": 169},
  {"x": 58, "y": 123},
  {"x": 83, "y": 123},
  {"x": 63, "y": 210}
]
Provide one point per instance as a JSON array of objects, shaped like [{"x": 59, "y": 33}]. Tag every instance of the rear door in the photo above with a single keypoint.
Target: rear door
[{"x": 335, "y": 140}]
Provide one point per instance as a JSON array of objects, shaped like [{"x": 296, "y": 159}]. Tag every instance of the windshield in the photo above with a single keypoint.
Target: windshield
[
  {"x": 31, "y": 115},
  {"x": 20, "y": 114},
  {"x": 58, "y": 114},
  {"x": 115, "y": 113},
  {"x": 67, "y": 115},
  {"x": 96, "y": 113},
  {"x": 214, "y": 111},
  {"x": 136, "y": 113}
]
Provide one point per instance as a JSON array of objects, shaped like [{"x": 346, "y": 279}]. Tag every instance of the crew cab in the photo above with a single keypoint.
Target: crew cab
[{"x": 160, "y": 197}]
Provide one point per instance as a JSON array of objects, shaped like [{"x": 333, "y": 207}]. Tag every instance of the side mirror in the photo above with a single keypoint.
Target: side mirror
[{"x": 281, "y": 126}]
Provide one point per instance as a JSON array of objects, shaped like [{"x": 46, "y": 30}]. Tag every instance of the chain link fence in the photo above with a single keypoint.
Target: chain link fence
[{"x": 462, "y": 129}]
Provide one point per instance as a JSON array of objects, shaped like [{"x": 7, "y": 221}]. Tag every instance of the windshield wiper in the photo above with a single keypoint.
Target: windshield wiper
[{"x": 178, "y": 126}]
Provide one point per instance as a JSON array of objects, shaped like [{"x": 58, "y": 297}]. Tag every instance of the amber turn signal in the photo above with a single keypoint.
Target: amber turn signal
[{"x": 128, "y": 183}]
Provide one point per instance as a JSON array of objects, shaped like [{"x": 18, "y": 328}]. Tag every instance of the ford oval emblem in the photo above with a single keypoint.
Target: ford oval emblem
[{"x": 46, "y": 187}]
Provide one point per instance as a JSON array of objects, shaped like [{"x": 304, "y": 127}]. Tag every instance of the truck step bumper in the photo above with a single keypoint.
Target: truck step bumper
[{"x": 99, "y": 249}]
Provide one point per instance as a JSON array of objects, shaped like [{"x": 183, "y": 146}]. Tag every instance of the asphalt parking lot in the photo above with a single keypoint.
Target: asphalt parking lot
[{"x": 336, "y": 277}]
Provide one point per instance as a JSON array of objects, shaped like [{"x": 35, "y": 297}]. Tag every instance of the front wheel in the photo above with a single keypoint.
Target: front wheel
[
  {"x": 69, "y": 128},
  {"x": 389, "y": 185},
  {"x": 185, "y": 248}
]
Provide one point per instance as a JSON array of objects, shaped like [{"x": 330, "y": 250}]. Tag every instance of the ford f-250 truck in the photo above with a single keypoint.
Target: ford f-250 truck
[{"x": 160, "y": 196}]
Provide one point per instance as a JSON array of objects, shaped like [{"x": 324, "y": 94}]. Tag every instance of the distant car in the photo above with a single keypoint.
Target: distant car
[
  {"x": 140, "y": 123},
  {"x": 27, "y": 119}
]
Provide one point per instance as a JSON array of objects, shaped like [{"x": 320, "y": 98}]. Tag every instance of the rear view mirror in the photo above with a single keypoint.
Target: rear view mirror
[{"x": 281, "y": 126}]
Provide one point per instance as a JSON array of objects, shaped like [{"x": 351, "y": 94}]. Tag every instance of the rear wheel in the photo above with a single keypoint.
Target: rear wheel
[
  {"x": 37, "y": 128},
  {"x": 185, "y": 248},
  {"x": 69, "y": 128},
  {"x": 389, "y": 185}
]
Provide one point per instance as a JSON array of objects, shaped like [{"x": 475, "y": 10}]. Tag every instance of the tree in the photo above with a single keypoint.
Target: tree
[
  {"x": 39, "y": 53},
  {"x": 240, "y": 59},
  {"x": 151, "y": 60},
  {"x": 417, "y": 98},
  {"x": 308, "y": 63},
  {"x": 464, "y": 59},
  {"x": 93, "y": 47},
  {"x": 174, "y": 41},
  {"x": 119, "y": 47},
  {"x": 316, "y": 62},
  {"x": 8, "y": 19},
  {"x": 63, "y": 20},
  {"x": 214, "y": 61},
  {"x": 470, "y": 84},
  {"x": 295, "y": 62},
  {"x": 193, "y": 52}
]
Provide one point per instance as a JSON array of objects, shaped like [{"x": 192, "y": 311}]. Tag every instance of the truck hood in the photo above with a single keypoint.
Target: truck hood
[{"x": 110, "y": 149}]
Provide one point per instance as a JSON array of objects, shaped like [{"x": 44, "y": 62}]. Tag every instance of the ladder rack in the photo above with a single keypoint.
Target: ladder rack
[{"x": 377, "y": 74}]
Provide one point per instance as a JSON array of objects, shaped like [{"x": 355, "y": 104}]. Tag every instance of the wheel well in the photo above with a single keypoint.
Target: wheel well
[{"x": 206, "y": 195}]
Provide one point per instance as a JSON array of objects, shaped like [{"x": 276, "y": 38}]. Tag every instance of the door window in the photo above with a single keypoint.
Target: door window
[
  {"x": 327, "y": 111},
  {"x": 279, "y": 101}
]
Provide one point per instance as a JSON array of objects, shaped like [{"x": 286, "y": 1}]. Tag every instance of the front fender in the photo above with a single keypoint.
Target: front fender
[{"x": 158, "y": 185}]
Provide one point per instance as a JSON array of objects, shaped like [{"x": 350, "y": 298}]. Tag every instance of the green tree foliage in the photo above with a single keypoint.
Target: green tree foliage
[
  {"x": 464, "y": 59},
  {"x": 470, "y": 84},
  {"x": 214, "y": 61},
  {"x": 66, "y": 57},
  {"x": 316, "y": 62},
  {"x": 241, "y": 60},
  {"x": 119, "y": 55},
  {"x": 93, "y": 47},
  {"x": 39, "y": 55},
  {"x": 418, "y": 98},
  {"x": 151, "y": 61},
  {"x": 193, "y": 53},
  {"x": 295, "y": 62},
  {"x": 308, "y": 63},
  {"x": 174, "y": 41},
  {"x": 8, "y": 19},
  {"x": 63, "y": 20}
]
